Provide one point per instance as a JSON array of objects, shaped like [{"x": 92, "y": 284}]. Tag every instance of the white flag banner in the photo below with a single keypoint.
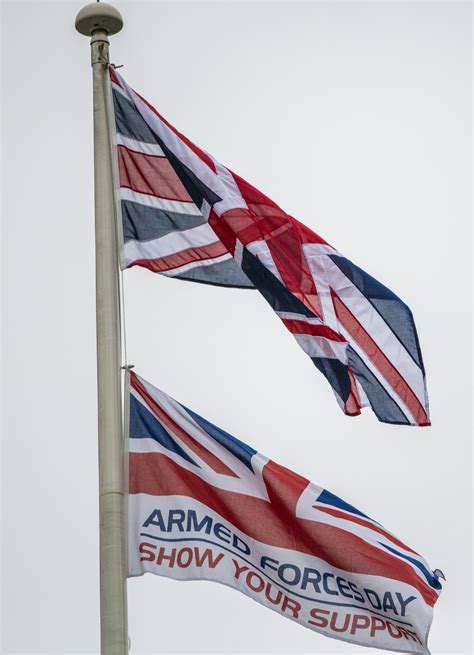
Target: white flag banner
[{"x": 205, "y": 506}]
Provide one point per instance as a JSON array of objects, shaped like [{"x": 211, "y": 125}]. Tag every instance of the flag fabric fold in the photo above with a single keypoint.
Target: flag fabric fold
[
  {"x": 185, "y": 215},
  {"x": 204, "y": 505}
]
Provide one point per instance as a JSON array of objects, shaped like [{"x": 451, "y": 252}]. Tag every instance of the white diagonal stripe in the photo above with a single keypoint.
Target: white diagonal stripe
[
  {"x": 315, "y": 257},
  {"x": 293, "y": 316},
  {"x": 199, "y": 264},
  {"x": 262, "y": 252},
  {"x": 171, "y": 243},
  {"x": 316, "y": 346},
  {"x": 176, "y": 206},
  {"x": 139, "y": 146}
]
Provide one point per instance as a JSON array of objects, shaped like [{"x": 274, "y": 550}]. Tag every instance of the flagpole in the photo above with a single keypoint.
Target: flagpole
[{"x": 100, "y": 20}]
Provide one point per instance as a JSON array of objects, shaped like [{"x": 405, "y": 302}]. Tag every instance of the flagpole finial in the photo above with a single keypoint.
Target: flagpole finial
[{"x": 98, "y": 16}]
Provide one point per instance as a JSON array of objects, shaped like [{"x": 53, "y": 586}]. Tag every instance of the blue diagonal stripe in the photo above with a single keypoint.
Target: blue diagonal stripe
[{"x": 143, "y": 425}]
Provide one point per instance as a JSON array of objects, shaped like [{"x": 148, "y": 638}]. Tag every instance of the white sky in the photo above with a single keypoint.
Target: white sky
[{"x": 356, "y": 118}]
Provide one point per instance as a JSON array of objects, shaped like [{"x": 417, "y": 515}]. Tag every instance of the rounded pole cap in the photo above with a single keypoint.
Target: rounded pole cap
[{"x": 98, "y": 16}]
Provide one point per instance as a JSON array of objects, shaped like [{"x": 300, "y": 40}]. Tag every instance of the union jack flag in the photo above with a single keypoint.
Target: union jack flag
[
  {"x": 185, "y": 215},
  {"x": 351, "y": 563}
]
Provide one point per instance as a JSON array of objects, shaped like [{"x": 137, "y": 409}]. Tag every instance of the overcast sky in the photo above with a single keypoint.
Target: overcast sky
[{"x": 356, "y": 118}]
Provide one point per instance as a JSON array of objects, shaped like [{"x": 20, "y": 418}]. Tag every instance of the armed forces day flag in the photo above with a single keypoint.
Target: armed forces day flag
[
  {"x": 185, "y": 215},
  {"x": 205, "y": 506}
]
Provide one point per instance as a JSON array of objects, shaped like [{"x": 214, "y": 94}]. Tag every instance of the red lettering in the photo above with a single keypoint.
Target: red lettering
[
  {"x": 408, "y": 634},
  {"x": 359, "y": 621},
  {"x": 239, "y": 569},
  {"x": 391, "y": 630},
  {"x": 162, "y": 556},
  {"x": 377, "y": 624},
  {"x": 274, "y": 601},
  {"x": 207, "y": 555},
  {"x": 344, "y": 627},
  {"x": 413, "y": 635},
  {"x": 260, "y": 583},
  {"x": 292, "y": 605},
  {"x": 318, "y": 614},
  {"x": 185, "y": 557},
  {"x": 142, "y": 548}
]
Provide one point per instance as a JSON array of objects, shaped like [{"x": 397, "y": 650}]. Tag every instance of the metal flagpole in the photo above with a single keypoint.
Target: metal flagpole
[{"x": 99, "y": 20}]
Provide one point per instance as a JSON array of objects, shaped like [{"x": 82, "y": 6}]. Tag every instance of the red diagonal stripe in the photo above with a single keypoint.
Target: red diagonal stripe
[
  {"x": 181, "y": 258},
  {"x": 352, "y": 406},
  {"x": 150, "y": 174},
  {"x": 211, "y": 460},
  {"x": 380, "y": 360},
  {"x": 113, "y": 76},
  {"x": 302, "y": 327}
]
